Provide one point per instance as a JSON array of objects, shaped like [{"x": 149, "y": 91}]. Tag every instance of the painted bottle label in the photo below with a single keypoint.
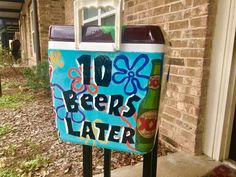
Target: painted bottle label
[
  {"x": 146, "y": 124},
  {"x": 154, "y": 82}
]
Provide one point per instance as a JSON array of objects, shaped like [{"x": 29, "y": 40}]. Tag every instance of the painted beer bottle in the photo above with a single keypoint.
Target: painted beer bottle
[{"x": 148, "y": 111}]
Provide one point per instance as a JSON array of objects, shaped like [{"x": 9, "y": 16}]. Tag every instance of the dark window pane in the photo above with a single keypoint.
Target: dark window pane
[
  {"x": 109, "y": 20},
  {"x": 89, "y": 13}
]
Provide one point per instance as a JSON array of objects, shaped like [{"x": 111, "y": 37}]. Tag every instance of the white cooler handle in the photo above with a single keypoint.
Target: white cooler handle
[{"x": 79, "y": 5}]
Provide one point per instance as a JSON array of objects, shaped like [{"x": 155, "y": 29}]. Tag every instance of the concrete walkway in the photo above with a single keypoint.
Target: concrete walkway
[{"x": 173, "y": 165}]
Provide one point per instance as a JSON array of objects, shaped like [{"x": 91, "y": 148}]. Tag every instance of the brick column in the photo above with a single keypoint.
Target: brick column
[
  {"x": 49, "y": 13},
  {"x": 188, "y": 25}
]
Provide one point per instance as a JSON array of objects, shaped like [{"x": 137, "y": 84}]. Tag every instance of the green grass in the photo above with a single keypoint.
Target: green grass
[
  {"x": 34, "y": 164},
  {"x": 10, "y": 150},
  {"x": 30, "y": 161},
  {"x": 10, "y": 85},
  {"x": 5, "y": 129},
  {"x": 14, "y": 100},
  {"x": 9, "y": 173}
]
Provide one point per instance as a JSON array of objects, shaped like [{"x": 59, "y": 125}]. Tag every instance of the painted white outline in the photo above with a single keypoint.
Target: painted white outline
[
  {"x": 108, "y": 104},
  {"x": 93, "y": 71},
  {"x": 82, "y": 70},
  {"x": 81, "y": 129},
  {"x": 66, "y": 125},
  {"x": 103, "y": 71},
  {"x": 64, "y": 102},
  {"x": 98, "y": 130},
  {"x": 122, "y": 134},
  {"x": 94, "y": 106},
  {"x": 80, "y": 102},
  {"x": 126, "y": 102},
  {"x": 108, "y": 133}
]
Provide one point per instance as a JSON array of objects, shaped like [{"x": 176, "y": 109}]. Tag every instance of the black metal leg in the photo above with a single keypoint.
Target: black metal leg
[
  {"x": 107, "y": 163},
  {"x": 147, "y": 165},
  {"x": 150, "y": 162},
  {"x": 87, "y": 161},
  {"x": 154, "y": 159}
]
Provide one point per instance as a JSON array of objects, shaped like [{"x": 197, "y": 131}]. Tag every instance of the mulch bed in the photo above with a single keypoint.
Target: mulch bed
[{"x": 33, "y": 133}]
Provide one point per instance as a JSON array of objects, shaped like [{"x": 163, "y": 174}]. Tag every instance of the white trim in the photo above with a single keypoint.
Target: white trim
[
  {"x": 92, "y": 46},
  {"x": 229, "y": 113},
  {"x": 219, "y": 83},
  {"x": 106, "y": 47},
  {"x": 99, "y": 17},
  {"x": 108, "y": 14},
  {"x": 89, "y": 20},
  {"x": 61, "y": 45},
  {"x": 230, "y": 163}
]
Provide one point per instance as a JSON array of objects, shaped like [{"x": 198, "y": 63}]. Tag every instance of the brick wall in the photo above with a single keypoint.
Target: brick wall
[
  {"x": 49, "y": 13},
  {"x": 188, "y": 25},
  {"x": 69, "y": 12}
]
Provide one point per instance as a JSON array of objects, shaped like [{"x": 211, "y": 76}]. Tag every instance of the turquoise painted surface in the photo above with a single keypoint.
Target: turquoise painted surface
[{"x": 129, "y": 78}]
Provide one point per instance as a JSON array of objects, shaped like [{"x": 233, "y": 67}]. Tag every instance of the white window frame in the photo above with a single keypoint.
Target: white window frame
[
  {"x": 79, "y": 5},
  {"x": 99, "y": 17},
  {"x": 219, "y": 108}
]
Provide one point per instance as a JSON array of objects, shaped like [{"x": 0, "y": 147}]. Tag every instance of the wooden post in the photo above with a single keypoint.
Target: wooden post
[
  {"x": 36, "y": 28},
  {"x": 0, "y": 85}
]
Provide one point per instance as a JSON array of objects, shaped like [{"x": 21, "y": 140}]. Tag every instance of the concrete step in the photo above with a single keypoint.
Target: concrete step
[{"x": 173, "y": 165}]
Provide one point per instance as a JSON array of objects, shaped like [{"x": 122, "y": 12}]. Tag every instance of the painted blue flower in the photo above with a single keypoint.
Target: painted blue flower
[{"x": 131, "y": 75}]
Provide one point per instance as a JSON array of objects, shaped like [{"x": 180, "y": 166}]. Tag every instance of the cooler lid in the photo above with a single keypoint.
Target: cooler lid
[{"x": 105, "y": 34}]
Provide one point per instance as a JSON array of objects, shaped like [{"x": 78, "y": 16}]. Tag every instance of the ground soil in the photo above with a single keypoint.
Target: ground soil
[{"x": 33, "y": 133}]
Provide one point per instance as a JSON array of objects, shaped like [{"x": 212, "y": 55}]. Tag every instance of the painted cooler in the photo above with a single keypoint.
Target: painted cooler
[{"x": 106, "y": 98}]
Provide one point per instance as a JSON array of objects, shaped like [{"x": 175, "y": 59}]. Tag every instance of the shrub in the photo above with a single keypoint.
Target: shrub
[
  {"x": 38, "y": 76},
  {"x": 5, "y": 57}
]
